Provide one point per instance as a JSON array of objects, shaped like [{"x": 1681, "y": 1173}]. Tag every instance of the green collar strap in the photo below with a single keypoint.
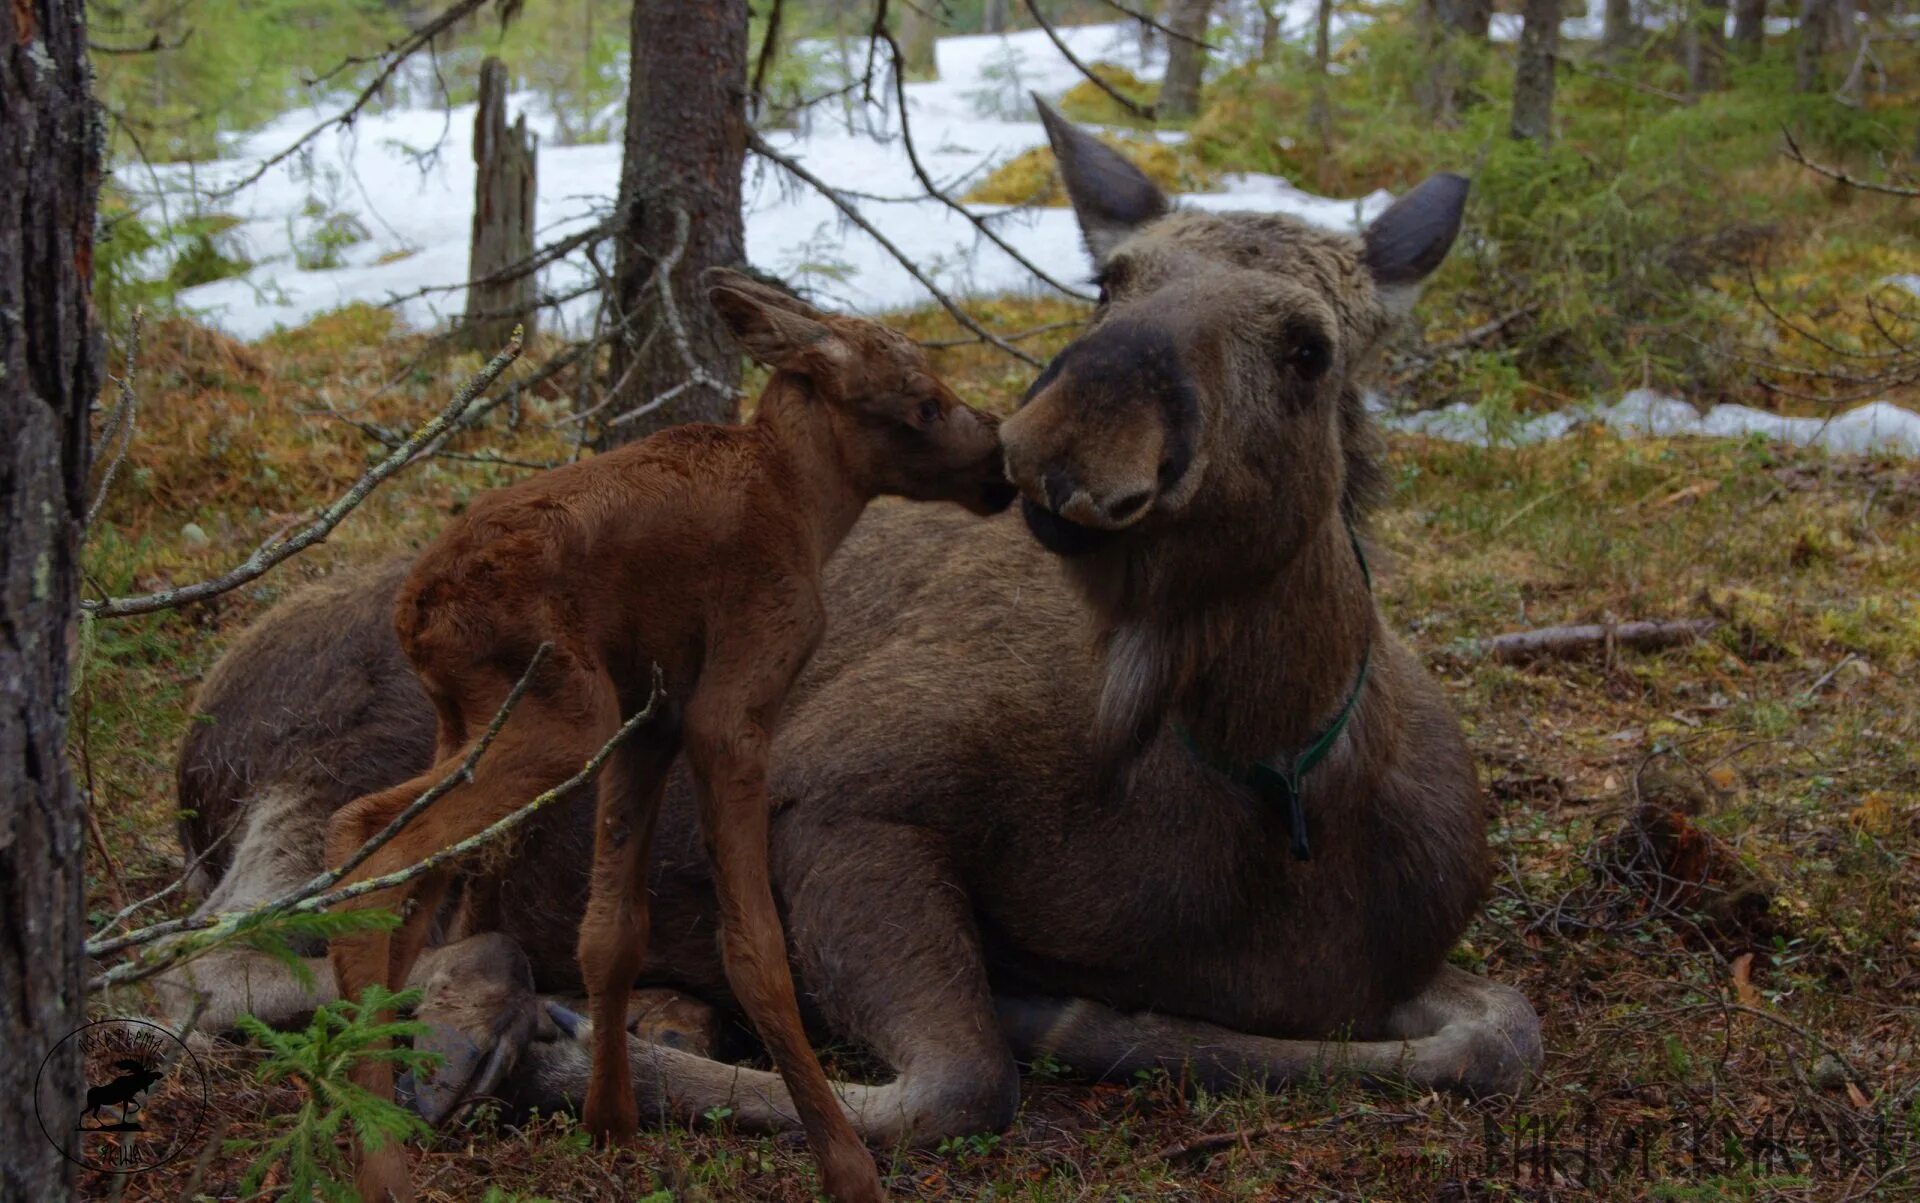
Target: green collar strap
[{"x": 1281, "y": 786}]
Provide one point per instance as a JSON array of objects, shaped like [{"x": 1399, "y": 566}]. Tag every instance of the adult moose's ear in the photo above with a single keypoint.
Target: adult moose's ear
[
  {"x": 777, "y": 328},
  {"x": 1409, "y": 240},
  {"x": 1111, "y": 196}
]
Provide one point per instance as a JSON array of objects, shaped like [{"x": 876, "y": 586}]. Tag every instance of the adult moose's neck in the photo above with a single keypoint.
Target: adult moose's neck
[
  {"x": 1247, "y": 670},
  {"x": 805, "y": 434}
]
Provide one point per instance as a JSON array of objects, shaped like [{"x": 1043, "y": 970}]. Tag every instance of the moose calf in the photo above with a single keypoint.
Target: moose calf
[{"x": 699, "y": 551}]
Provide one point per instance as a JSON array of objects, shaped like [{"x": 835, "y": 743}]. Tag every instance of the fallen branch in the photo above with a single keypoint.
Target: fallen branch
[
  {"x": 278, "y": 549},
  {"x": 1562, "y": 642},
  {"x": 1217, "y": 1141},
  {"x": 1794, "y": 152}
]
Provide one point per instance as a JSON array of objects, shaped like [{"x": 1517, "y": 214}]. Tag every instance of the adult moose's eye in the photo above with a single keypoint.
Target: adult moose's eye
[
  {"x": 928, "y": 413},
  {"x": 1307, "y": 352}
]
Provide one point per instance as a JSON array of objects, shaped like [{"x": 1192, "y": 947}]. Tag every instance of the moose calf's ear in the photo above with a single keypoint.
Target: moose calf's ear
[
  {"x": 1409, "y": 240},
  {"x": 1111, "y": 197},
  {"x": 777, "y": 335}
]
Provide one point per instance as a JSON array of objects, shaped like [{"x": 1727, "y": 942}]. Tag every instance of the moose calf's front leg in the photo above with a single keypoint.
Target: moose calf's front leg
[{"x": 730, "y": 766}]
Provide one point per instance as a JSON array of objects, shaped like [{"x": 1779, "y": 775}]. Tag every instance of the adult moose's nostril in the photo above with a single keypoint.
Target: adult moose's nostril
[
  {"x": 1057, "y": 487},
  {"x": 1128, "y": 507}
]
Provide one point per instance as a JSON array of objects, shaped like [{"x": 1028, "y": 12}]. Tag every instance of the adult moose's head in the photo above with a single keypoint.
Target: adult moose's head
[{"x": 1213, "y": 396}]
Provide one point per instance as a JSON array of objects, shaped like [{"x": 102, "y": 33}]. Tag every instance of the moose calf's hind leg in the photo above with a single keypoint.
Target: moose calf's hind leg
[
  {"x": 613, "y": 931},
  {"x": 729, "y": 765}
]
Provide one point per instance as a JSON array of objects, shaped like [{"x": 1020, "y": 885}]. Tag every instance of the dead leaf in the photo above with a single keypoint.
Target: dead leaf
[
  {"x": 1859, "y": 1097},
  {"x": 1723, "y": 776},
  {"x": 1743, "y": 981}
]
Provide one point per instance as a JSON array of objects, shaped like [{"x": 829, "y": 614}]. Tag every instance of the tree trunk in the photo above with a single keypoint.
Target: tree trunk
[
  {"x": 1320, "y": 114},
  {"x": 51, "y": 136},
  {"x": 993, "y": 17},
  {"x": 1816, "y": 20},
  {"x": 1533, "y": 75},
  {"x": 1269, "y": 31},
  {"x": 916, "y": 35},
  {"x": 503, "y": 221},
  {"x": 1620, "y": 31},
  {"x": 1469, "y": 17},
  {"x": 685, "y": 147},
  {"x": 1749, "y": 27},
  {"x": 1706, "y": 46},
  {"x": 1186, "y": 61}
]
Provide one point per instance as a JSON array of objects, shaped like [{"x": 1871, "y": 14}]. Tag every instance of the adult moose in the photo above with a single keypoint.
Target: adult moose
[{"x": 1004, "y": 832}]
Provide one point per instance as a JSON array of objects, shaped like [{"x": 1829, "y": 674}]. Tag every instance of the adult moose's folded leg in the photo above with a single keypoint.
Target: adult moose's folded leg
[{"x": 1463, "y": 1034}]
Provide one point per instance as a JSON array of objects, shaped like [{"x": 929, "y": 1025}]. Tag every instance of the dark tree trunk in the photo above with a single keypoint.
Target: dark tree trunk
[
  {"x": 916, "y": 32},
  {"x": 1269, "y": 31},
  {"x": 1469, "y": 17},
  {"x": 1320, "y": 115},
  {"x": 1749, "y": 27},
  {"x": 1706, "y": 46},
  {"x": 1816, "y": 29},
  {"x": 1186, "y": 61},
  {"x": 1533, "y": 75},
  {"x": 1619, "y": 30},
  {"x": 503, "y": 218},
  {"x": 685, "y": 147},
  {"x": 993, "y": 17},
  {"x": 50, "y": 143}
]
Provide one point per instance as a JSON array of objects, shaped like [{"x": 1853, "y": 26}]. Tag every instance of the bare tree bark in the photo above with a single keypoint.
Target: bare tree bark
[
  {"x": 1470, "y": 17},
  {"x": 51, "y": 137},
  {"x": 993, "y": 16},
  {"x": 1320, "y": 115},
  {"x": 685, "y": 148},
  {"x": 1620, "y": 30},
  {"x": 503, "y": 219},
  {"x": 1706, "y": 46},
  {"x": 1816, "y": 31},
  {"x": 1269, "y": 30},
  {"x": 917, "y": 31},
  {"x": 1186, "y": 58},
  {"x": 1749, "y": 27},
  {"x": 1533, "y": 75}
]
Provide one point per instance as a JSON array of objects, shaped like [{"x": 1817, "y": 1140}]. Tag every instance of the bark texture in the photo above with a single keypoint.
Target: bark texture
[
  {"x": 1533, "y": 75},
  {"x": 50, "y": 144},
  {"x": 1749, "y": 27},
  {"x": 1469, "y": 17},
  {"x": 1817, "y": 19},
  {"x": 1186, "y": 61},
  {"x": 1706, "y": 46},
  {"x": 685, "y": 147},
  {"x": 503, "y": 218},
  {"x": 1620, "y": 28}
]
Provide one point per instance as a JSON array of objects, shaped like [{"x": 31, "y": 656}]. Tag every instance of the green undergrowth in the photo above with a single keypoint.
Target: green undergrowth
[{"x": 1619, "y": 255}]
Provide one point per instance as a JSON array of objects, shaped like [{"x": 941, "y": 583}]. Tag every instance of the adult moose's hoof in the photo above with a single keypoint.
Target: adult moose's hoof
[{"x": 481, "y": 1013}]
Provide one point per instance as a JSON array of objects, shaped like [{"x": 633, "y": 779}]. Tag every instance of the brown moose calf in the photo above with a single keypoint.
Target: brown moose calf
[{"x": 698, "y": 550}]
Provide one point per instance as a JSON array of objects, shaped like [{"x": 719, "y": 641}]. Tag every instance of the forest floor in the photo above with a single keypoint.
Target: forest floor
[{"x": 1709, "y": 855}]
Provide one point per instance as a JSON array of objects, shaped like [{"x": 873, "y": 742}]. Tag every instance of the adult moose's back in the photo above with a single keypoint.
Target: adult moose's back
[{"x": 1015, "y": 814}]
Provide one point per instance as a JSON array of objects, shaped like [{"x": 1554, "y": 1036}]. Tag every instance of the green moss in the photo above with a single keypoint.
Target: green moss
[
  {"x": 1031, "y": 178},
  {"x": 1088, "y": 103}
]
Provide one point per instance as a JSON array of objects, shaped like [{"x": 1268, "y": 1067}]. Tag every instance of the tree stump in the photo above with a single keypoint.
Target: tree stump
[{"x": 504, "y": 288}]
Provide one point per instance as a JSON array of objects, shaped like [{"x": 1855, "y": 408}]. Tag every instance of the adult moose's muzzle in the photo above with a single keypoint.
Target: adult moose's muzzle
[{"x": 1104, "y": 434}]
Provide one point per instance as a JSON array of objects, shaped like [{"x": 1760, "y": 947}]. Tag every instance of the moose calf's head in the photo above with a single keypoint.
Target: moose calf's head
[
  {"x": 905, "y": 433},
  {"x": 1213, "y": 390}
]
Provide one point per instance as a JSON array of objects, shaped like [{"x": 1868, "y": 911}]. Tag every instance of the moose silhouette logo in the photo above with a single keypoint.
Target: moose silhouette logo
[{"x": 143, "y": 1103}]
